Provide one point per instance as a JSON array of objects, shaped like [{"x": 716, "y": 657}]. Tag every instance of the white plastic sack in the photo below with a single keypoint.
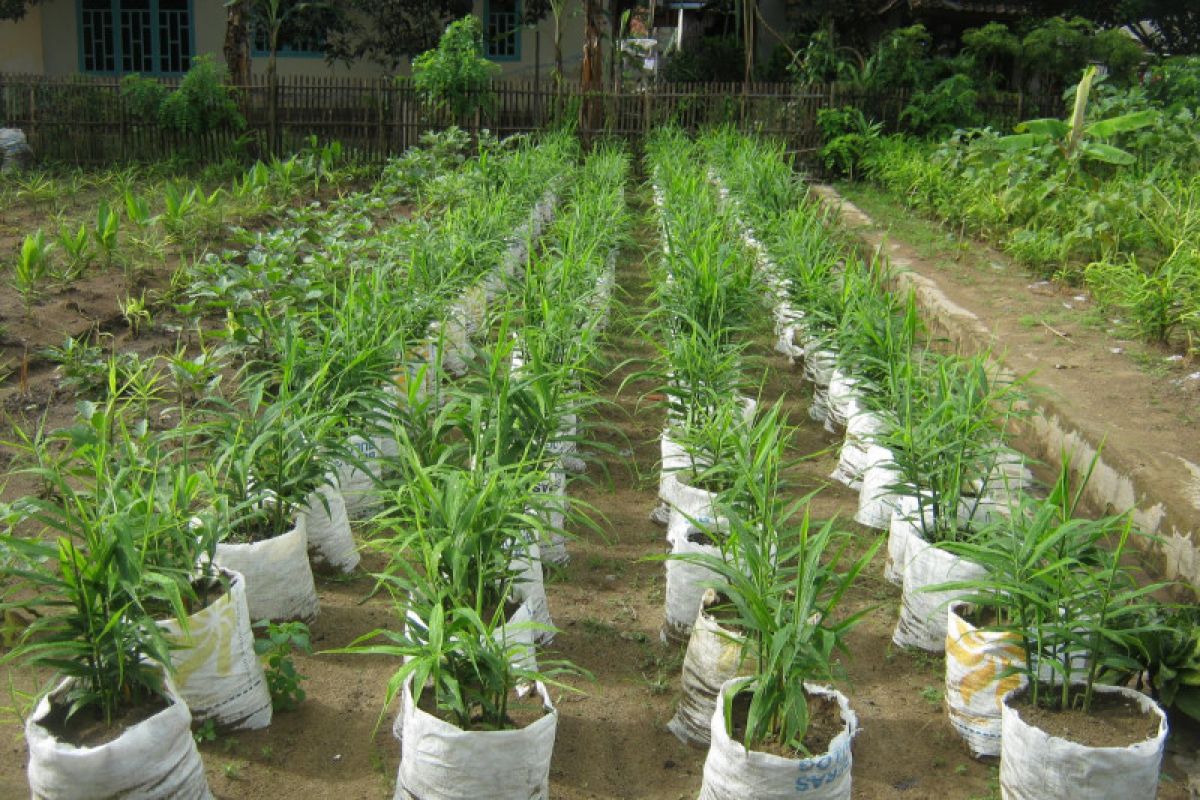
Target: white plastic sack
[
  {"x": 713, "y": 657},
  {"x": 530, "y": 589},
  {"x": 978, "y": 664},
  {"x": 844, "y": 400},
  {"x": 733, "y": 773},
  {"x": 904, "y": 526},
  {"x": 922, "y": 620},
  {"x": 1037, "y": 766},
  {"x": 328, "y": 526},
  {"x": 685, "y": 502},
  {"x": 357, "y": 483},
  {"x": 686, "y": 583},
  {"x": 819, "y": 365},
  {"x": 279, "y": 580},
  {"x": 217, "y": 671},
  {"x": 856, "y": 454},
  {"x": 442, "y": 761},
  {"x": 553, "y": 494},
  {"x": 877, "y": 502},
  {"x": 156, "y": 759}
]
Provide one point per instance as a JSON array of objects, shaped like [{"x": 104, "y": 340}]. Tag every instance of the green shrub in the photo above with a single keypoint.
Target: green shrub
[
  {"x": 455, "y": 74},
  {"x": 202, "y": 103},
  {"x": 847, "y": 137}
]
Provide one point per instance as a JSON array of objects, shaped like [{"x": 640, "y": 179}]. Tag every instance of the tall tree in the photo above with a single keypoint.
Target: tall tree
[
  {"x": 387, "y": 31},
  {"x": 15, "y": 9},
  {"x": 237, "y": 41}
]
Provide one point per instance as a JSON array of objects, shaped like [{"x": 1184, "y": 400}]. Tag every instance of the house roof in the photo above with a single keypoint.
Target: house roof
[{"x": 1015, "y": 8}]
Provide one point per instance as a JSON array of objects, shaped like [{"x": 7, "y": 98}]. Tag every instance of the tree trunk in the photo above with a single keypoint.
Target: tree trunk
[
  {"x": 237, "y": 42},
  {"x": 592, "y": 78}
]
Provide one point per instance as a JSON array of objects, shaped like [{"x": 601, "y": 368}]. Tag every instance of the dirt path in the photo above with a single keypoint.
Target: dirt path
[{"x": 1096, "y": 383}]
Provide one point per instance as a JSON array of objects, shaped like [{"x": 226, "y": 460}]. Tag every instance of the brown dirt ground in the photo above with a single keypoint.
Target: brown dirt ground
[{"x": 612, "y": 741}]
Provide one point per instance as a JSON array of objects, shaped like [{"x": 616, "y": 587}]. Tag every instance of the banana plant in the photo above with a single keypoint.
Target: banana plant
[{"x": 1076, "y": 138}]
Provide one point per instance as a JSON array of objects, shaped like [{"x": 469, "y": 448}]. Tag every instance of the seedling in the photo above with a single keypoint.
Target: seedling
[
  {"x": 136, "y": 313},
  {"x": 108, "y": 223},
  {"x": 76, "y": 251},
  {"x": 31, "y": 268},
  {"x": 276, "y": 649}
]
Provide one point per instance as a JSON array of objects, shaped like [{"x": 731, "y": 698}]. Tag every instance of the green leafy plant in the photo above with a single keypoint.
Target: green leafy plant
[
  {"x": 847, "y": 136},
  {"x": 455, "y": 74},
  {"x": 202, "y": 102},
  {"x": 951, "y": 415},
  {"x": 276, "y": 649},
  {"x": 781, "y": 577},
  {"x": 108, "y": 223},
  {"x": 75, "y": 248},
  {"x": 1157, "y": 300},
  {"x": 452, "y": 576},
  {"x": 1076, "y": 137},
  {"x": 1064, "y": 595},
  {"x": 90, "y": 581},
  {"x": 136, "y": 313},
  {"x": 32, "y": 267},
  {"x": 82, "y": 367}
]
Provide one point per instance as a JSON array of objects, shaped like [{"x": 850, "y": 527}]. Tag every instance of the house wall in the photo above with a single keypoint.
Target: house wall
[
  {"x": 21, "y": 44},
  {"x": 60, "y": 37},
  {"x": 47, "y": 41}
]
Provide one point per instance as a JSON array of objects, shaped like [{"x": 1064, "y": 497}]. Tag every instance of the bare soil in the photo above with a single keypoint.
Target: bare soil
[
  {"x": 1113, "y": 721},
  {"x": 86, "y": 729},
  {"x": 824, "y": 723},
  {"x": 608, "y": 603}
]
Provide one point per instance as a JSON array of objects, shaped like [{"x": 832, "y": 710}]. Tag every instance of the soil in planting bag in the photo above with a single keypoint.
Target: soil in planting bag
[
  {"x": 856, "y": 454},
  {"x": 357, "y": 481},
  {"x": 686, "y": 582},
  {"x": 733, "y": 773},
  {"x": 156, "y": 759},
  {"x": 440, "y": 760},
  {"x": 330, "y": 541},
  {"x": 979, "y": 674},
  {"x": 876, "y": 500},
  {"x": 1037, "y": 766},
  {"x": 713, "y": 657},
  {"x": 279, "y": 579},
  {"x": 216, "y": 669},
  {"x": 530, "y": 588},
  {"x": 922, "y": 620},
  {"x": 552, "y": 492}
]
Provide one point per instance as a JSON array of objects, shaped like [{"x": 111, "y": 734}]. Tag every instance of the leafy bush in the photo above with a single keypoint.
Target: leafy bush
[
  {"x": 713, "y": 58},
  {"x": 847, "y": 137},
  {"x": 951, "y": 104},
  {"x": 455, "y": 74},
  {"x": 202, "y": 103}
]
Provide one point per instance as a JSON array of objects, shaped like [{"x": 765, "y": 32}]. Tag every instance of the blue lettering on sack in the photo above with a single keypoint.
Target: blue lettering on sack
[{"x": 818, "y": 772}]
